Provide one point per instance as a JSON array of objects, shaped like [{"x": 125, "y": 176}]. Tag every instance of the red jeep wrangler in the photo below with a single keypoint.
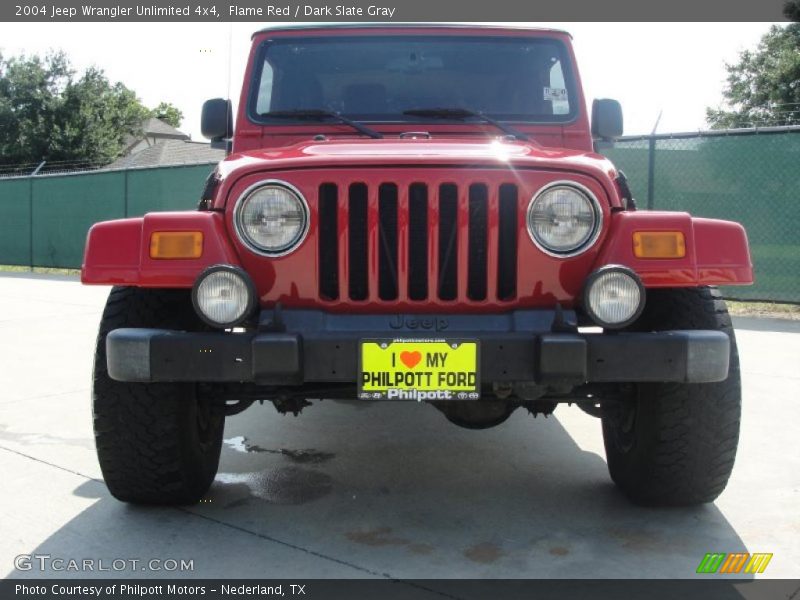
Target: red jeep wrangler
[{"x": 416, "y": 213}]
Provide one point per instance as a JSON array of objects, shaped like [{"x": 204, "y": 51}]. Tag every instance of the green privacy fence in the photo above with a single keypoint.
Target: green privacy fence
[
  {"x": 749, "y": 176},
  {"x": 44, "y": 219}
]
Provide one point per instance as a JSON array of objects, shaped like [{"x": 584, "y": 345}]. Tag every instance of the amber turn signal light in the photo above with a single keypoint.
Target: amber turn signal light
[
  {"x": 176, "y": 244},
  {"x": 659, "y": 244}
]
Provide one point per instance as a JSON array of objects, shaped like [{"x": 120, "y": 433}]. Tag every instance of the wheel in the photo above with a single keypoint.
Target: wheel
[
  {"x": 156, "y": 443},
  {"x": 673, "y": 444}
]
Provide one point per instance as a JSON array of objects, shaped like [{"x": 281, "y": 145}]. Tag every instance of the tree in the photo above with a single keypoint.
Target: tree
[
  {"x": 48, "y": 113},
  {"x": 791, "y": 10},
  {"x": 94, "y": 119},
  {"x": 168, "y": 113},
  {"x": 28, "y": 91},
  {"x": 763, "y": 87}
]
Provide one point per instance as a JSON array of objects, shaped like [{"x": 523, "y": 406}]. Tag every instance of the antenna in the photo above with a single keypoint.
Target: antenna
[
  {"x": 228, "y": 143},
  {"x": 230, "y": 56},
  {"x": 658, "y": 119}
]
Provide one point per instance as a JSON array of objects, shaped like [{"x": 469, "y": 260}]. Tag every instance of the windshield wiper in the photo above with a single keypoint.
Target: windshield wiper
[
  {"x": 318, "y": 114},
  {"x": 463, "y": 113}
]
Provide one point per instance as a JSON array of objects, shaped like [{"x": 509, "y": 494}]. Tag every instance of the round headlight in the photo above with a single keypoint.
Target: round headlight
[
  {"x": 223, "y": 296},
  {"x": 614, "y": 296},
  {"x": 272, "y": 218},
  {"x": 564, "y": 219}
]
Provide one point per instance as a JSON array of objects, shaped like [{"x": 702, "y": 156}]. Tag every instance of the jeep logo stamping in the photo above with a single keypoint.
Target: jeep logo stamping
[{"x": 434, "y": 323}]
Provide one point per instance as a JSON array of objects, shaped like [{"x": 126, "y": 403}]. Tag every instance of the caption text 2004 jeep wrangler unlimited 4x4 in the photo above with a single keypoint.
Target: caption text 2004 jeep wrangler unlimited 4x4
[{"x": 416, "y": 213}]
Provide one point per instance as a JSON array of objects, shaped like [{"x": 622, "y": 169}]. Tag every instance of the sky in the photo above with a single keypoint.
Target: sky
[{"x": 676, "y": 69}]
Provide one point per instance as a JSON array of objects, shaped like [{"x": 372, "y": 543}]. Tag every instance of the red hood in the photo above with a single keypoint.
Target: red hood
[{"x": 415, "y": 152}]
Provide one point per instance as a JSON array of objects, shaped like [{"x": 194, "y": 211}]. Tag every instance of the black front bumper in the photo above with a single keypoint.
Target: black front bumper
[{"x": 297, "y": 347}]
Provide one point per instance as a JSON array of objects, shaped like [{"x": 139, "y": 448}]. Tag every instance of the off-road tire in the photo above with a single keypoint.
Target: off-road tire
[
  {"x": 156, "y": 443},
  {"x": 672, "y": 444}
]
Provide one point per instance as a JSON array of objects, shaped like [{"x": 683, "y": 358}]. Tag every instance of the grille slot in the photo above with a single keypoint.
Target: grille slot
[
  {"x": 477, "y": 259},
  {"x": 418, "y": 241},
  {"x": 328, "y": 242},
  {"x": 357, "y": 242},
  {"x": 387, "y": 241},
  {"x": 448, "y": 241},
  {"x": 507, "y": 243}
]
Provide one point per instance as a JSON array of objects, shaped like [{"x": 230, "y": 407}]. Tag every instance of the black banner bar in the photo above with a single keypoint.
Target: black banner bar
[
  {"x": 389, "y": 589},
  {"x": 397, "y": 11}
]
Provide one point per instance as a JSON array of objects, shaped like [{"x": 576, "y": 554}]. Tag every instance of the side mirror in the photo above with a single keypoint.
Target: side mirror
[
  {"x": 216, "y": 122},
  {"x": 606, "y": 119}
]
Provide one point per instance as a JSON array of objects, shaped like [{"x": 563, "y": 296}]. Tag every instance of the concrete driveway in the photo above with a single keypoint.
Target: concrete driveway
[{"x": 382, "y": 490}]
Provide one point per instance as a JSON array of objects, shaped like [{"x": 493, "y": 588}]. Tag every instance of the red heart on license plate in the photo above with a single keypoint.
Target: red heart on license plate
[{"x": 410, "y": 359}]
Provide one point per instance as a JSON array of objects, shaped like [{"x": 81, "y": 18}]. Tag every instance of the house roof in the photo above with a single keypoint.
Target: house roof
[
  {"x": 153, "y": 127},
  {"x": 170, "y": 152}
]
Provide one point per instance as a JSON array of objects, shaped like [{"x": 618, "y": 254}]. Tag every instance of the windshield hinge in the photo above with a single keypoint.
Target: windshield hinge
[{"x": 413, "y": 135}]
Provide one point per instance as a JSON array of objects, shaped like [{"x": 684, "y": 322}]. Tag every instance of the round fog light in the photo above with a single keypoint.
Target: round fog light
[
  {"x": 223, "y": 296},
  {"x": 614, "y": 296}
]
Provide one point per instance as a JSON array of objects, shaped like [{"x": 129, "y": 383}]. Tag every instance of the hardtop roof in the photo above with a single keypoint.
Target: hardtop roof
[{"x": 318, "y": 26}]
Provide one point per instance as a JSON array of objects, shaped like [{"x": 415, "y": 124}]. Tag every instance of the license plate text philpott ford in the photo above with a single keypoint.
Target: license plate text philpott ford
[{"x": 404, "y": 369}]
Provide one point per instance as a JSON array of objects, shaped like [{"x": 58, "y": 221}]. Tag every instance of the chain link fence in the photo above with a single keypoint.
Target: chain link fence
[{"x": 749, "y": 175}]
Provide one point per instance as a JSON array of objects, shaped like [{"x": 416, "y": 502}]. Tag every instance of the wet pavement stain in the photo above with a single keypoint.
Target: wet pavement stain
[
  {"x": 375, "y": 537},
  {"x": 238, "y": 502},
  {"x": 255, "y": 448},
  {"x": 559, "y": 551},
  {"x": 310, "y": 456},
  {"x": 420, "y": 548},
  {"x": 638, "y": 540},
  {"x": 304, "y": 456},
  {"x": 44, "y": 439},
  {"x": 485, "y": 553},
  {"x": 285, "y": 485},
  {"x": 238, "y": 443},
  {"x": 382, "y": 537}
]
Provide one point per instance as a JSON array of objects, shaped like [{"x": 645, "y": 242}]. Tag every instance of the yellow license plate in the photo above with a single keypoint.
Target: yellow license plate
[{"x": 404, "y": 369}]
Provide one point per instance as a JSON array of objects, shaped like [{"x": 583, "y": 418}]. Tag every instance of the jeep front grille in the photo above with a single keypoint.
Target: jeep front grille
[{"x": 416, "y": 242}]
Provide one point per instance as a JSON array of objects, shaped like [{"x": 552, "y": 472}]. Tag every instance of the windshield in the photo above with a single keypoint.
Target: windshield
[{"x": 378, "y": 79}]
